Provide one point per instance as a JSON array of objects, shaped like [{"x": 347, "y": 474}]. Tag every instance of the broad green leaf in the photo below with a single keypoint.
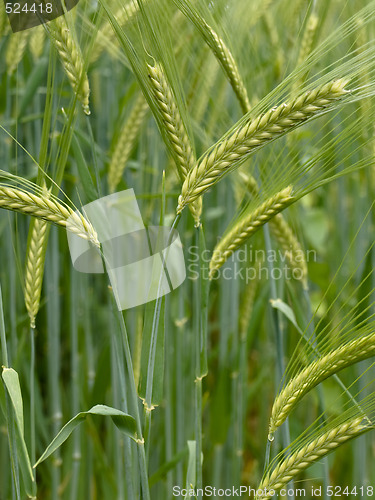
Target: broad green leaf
[
  {"x": 125, "y": 423},
  {"x": 12, "y": 384}
]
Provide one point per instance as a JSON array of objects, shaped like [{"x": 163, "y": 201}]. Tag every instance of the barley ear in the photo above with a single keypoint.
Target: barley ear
[
  {"x": 15, "y": 50},
  {"x": 249, "y": 136},
  {"x": 291, "y": 247},
  {"x": 48, "y": 209},
  {"x": 72, "y": 60},
  {"x": 36, "y": 41},
  {"x": 247, "y": 226},
  {"x": 35, "y": 267},
  {"x": 174, "y": 128},
  {"x": 305, "y": 456},
  {"x": 126, "y": 142},
  {"x": 320, "y": 369}
]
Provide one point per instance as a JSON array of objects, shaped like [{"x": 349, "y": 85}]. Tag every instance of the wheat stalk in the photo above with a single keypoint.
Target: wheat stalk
[
  {"x": 47, "y": 209},
  {"x": 247, "y": 226},
  {"x": 35, "y": 268},
  {"x": 308, "y": 454},
  {"x": 126, "y": 141},
  {"x": 317, "y": 371},
  {"x": 15, "y": 50},
  {"x": 175, "y": 130},
  {"x": 254, "y": 134},
  {"x": 72, "y": 60}
]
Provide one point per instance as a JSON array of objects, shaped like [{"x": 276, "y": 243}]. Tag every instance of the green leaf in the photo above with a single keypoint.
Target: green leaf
[
  {"x": 125, "y": 423},
  {"x": 12, "y": 384},
  {"x": 287, "y": 311}
]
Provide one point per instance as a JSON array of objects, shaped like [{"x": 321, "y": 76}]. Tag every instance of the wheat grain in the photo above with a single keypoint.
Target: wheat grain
[
  {"x": 175, "y": 131},
  {"x": 247, "y": 226},
  {"x": 126, "y": 141},
  {"x": 317, "y": 371},
  {"x": 248, "y": 137},
  {"x": 72, "y": 60},
  {"x": 47, "y": 209},
  {"x": 308, "y": 454}
]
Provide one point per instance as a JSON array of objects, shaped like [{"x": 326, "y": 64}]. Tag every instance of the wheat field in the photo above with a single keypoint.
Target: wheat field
[{"x": 246, "y": 130}]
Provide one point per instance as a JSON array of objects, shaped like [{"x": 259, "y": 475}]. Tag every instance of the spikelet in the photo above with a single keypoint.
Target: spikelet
[
  {"x": 254, "y": 134},
  {"x": 308, "y": 454},
  {"x": 323, "y": 367},
  {"x": 47, "y": 209},
  {"x": 72, "y": 60},
  {"x": 175, "y": 131},
  {"x": 247, "y": 226},
  {"x": 126, "y": 141},
  {"x": 36, "y": 42},
  {"x": 16, "y": 47}
]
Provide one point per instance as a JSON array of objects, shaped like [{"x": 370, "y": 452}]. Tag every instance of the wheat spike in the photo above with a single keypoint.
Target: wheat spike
[
  {"x": 47, "y": 209},
  {"x": 308, "y": 454},
  {"x": 253, "y": 134},
  {"x": 126, "y": 141},
  {"x": 347, "y": 354},
  {"x": 175, "y": 131},
  {"x": 36, "y": 42},
  {"x": 35, "y": 268},
  {"x": 72, "y": 60},
  {"x": 247, "y": 226},
  {"x": 15, "y": 50}
]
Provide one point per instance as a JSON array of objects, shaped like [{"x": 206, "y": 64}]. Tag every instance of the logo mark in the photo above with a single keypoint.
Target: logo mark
[{"x": 143, "y": 264}]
